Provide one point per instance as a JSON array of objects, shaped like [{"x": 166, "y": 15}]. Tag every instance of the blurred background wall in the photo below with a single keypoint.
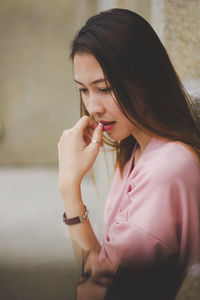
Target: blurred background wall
[
  {"x": 36, "y": 90},
  {"x": 38, "y": 100}
]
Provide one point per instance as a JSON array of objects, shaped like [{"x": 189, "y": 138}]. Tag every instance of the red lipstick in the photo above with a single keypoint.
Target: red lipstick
[{"x": 107, "y": 125}]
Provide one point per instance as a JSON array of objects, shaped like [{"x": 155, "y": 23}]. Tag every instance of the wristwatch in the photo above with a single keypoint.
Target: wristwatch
[{"x": 76, "y": 220}]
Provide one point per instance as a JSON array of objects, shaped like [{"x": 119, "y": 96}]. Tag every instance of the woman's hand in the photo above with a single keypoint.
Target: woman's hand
[{"x": 76, "y": 151}]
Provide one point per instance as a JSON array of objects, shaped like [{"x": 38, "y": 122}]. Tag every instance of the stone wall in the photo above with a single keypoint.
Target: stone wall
[{"x": 177, "y": 23}]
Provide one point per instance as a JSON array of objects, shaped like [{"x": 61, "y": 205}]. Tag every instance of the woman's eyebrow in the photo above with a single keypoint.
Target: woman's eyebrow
[
  {"x": 93, "y": 82},
  {"x": 104, "y": 273}
]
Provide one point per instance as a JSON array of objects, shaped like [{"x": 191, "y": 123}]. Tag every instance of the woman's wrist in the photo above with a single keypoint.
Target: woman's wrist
[
  {"x": 69, "y": 185},
  {"x": 75, "y": 209},
  {"x": 72, "y": 200}
]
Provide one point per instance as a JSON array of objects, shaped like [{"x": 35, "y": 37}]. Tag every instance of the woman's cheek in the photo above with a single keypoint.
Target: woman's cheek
[{"x": 85, "y": 102}]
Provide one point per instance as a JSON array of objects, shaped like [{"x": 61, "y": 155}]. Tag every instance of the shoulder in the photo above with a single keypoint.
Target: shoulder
[{"x": 169, "y": 162}]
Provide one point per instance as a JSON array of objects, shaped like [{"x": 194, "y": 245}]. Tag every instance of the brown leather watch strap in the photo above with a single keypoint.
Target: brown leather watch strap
[{"x": 75, "y": 220}]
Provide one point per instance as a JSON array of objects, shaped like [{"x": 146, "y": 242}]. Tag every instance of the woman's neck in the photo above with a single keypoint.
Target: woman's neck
[{"x": 142, "y": 139}]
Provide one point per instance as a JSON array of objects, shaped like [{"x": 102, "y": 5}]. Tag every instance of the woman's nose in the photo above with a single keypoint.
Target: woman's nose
[{"x": 94, "y": 105}]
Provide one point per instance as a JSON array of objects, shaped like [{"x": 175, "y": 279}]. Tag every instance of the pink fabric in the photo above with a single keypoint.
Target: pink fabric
[{"x": 155, "y": 211}]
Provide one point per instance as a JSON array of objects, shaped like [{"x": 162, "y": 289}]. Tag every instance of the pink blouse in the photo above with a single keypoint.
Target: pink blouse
[{"x": 154, "y": 211}]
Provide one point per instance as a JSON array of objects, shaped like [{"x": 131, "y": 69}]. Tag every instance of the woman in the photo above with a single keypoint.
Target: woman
[{"x": 130, "y": 90}]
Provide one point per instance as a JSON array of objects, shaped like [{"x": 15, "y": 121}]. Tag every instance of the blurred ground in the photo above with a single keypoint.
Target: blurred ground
[{"x": 36, "y": 257}]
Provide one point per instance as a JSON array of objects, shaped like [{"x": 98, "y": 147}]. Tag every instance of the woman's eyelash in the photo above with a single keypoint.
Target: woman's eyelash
[
  {"x": 82, "y": 90},
  {"x": 85, "y": 274},
  {"x": 104, "y": 90}
]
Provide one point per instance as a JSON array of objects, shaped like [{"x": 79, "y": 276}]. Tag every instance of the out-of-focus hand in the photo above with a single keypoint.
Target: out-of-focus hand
[{"x": 76, "y": 151}]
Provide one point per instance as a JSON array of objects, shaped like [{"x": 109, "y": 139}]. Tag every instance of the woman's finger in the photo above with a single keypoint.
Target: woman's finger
[
  {"x": 85, "y": 122},
  {"x": 97, "y": 136}
]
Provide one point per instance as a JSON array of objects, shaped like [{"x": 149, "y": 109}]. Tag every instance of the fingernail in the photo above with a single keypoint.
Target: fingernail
[{"x": 100, "y": 126}]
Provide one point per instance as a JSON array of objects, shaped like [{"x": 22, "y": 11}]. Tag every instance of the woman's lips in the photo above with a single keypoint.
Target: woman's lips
[{"x": 107, "y": 125}]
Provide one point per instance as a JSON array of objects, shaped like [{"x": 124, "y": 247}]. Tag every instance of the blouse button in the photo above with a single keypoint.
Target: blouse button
[
  {"x": 129, "y": 188},
  {"x": 107, "y": 238}
]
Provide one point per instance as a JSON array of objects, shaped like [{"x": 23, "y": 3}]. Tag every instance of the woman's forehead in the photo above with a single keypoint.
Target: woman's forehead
[{"x": 87, "y": 69}]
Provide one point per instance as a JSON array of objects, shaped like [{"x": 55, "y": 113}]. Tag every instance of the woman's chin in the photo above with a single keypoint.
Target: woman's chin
[{"x": 115, "y": 137}]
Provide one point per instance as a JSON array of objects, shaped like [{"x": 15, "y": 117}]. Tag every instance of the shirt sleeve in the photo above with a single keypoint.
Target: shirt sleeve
[{"x": 154, "y": 219}]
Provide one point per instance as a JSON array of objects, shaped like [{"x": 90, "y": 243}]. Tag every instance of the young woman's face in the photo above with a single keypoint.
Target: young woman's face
[
  {"x": 98, "y": 97},
  {"x": 96, "y": 277}
]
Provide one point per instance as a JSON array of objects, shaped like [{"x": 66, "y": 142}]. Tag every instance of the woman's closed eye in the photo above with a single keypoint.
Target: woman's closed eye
[
  {"x": 84, "y": 277},
  {"x": 105, "y": 90},
  {"x": 102, "y": 90},
  {"x": 83, "y": 90}
]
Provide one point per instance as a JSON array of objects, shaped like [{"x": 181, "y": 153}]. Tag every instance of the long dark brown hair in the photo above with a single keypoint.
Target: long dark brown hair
[{"x": 143, "y": 80}]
